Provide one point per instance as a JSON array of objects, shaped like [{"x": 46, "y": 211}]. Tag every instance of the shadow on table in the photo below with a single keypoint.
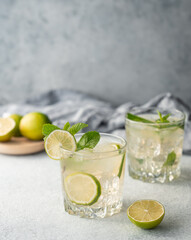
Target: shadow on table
[
  {"x": 185, "y": 174},
  {"x": 167, "y": 226}
]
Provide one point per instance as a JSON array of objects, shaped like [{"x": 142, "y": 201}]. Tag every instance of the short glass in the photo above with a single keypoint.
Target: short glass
[
  {"x": 154, "y": 149},
  {"x": 105, "y": 167}
]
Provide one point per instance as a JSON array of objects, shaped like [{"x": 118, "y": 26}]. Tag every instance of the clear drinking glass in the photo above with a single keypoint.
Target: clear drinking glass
[
  {"x": 105, "y": 166},
  {"x": 154, "y": 149}
]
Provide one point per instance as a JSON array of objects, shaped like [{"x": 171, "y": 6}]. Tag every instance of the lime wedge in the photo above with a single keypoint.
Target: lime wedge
[
  {"x": 82, "y": 188},
  {"x": 7, "y": 126},
  {"x": 146, "y": 213},
  {"x": 59, "y": 139}
]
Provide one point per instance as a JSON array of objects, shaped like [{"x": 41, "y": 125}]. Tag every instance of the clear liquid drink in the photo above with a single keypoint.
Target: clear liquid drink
[
  {"x": 92, "y": 179},
  {"x": 154, "y": 148}
]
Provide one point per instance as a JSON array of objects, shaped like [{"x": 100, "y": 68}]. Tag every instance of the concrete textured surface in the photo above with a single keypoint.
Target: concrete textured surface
[
  {"x": 31, "y": 205},
  {"x": 117, "y": 50}
]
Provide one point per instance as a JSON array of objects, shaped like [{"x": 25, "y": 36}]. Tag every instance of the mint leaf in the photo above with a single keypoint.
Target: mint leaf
[
  {"x": 66, "y": 126},
  {"x": 139, "y": 160},
  {"x": 163, "y": 119},
  {"x": 166, "y": 116},
  {"x": 77, "y": 127},
  {"x": 88, "y": 140},
  {"x": 48, "y": 128},
  {"x": 160, "y": 115},
  {"x": 137, "y": 118},
  {"x": 170, "y": 159}
]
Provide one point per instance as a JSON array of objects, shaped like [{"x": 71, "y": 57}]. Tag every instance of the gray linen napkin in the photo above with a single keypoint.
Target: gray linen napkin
[{"x": 66, "y": 105}]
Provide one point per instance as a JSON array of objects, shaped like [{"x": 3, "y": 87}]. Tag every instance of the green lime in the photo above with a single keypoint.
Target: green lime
[
  {"x": 17, "y": 119},
  {"x": 82, "y": 188},
  {"x": 31, "y": 125},
  {"x": 7, "y": 127},
  {"x": 146, "y": 213},
  {"x": 59, "y": 139}
]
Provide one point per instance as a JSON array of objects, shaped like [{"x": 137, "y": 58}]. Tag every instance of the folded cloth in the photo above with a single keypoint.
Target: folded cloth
[{"x": 66, "y": 105}]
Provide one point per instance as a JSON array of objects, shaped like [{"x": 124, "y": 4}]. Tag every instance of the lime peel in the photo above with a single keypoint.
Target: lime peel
[
  {"x": 146, "y": 214},
  {"x": 7, "y": 127},
  {"x": 82, "y": 188},
  {"x": 59, "y": 139}
]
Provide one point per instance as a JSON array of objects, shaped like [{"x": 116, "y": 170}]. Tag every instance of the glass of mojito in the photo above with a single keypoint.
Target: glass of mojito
[
  {"x": 92, "y": 179},
  {"x": 92, "y": 169},
  {"x": 155, "y": 141}
]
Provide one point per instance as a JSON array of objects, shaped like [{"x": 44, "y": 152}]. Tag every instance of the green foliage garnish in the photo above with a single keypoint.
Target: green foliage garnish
[
  {"x": 48, "y": 128},
  {"x": 170, "y": 159},
  {"x": 66, "y": 126},
  {"x": 163, "y": 119},
  {"x": 158, "y": 123},
  {"x": 76, "y": 128},
  {"x": 88, "y": 140},
  {"x": 137, "y": 118},
  {"x": 139, "y": 160}
]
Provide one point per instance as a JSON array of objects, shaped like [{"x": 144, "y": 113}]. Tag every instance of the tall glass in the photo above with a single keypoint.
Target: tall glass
[
  {"x": 154, "y": 149},
  {"x": 105, "y": 167}
]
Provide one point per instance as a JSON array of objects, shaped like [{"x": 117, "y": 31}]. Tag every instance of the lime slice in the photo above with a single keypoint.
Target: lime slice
[
  {"x": 7, "y": 126},
  {"x": 121, "y": 165},
  {"x": 59, "y": 139},
  {"x": 146, "y": 213},
  {"x": 82, "y": 188},
  {"x": 106, "y": 147}
]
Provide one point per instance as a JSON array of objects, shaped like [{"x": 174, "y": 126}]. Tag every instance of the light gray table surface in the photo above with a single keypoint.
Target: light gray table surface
[{"x": 31, "y": 205}]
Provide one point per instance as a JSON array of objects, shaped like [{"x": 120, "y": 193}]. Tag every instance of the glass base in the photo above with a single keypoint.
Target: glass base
[
  {"x": 92, "y": 212},
  {"x": 168, "y": 175}
]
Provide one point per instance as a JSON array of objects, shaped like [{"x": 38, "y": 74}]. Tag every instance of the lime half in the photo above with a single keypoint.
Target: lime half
[
  {"x": 82, "y": 188},
  {"x": 7, "y": 126},
  {"x": 146, "y": 213},
  {"x": 59, "y": 139}
]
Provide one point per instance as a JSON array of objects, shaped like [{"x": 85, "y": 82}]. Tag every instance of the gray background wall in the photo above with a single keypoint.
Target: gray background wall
[{"x": 117, "y": 50}]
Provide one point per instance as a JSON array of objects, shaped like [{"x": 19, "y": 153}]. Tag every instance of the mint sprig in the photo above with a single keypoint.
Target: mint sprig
[
  {"x": 170, "y": 159},
  {"x": 136, "y": 118},
  {"x": 163, "y": 119},
  {"x": 76, "y": 128},
  {"x": 88, "y": 140},
  {"x": 157, "y": 123}
]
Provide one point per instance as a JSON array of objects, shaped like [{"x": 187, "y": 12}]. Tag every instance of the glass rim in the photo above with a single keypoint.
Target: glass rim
[
  {"x": 174, "y": 110},
  {"x": 98, "y": 153}
]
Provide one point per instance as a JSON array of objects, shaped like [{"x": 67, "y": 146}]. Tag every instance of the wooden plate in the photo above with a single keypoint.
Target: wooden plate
[{"x": 21, "y": 146}]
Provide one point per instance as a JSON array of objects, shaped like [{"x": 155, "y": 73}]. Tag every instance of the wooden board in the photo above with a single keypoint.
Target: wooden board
[{"x": 21, "y": 146}]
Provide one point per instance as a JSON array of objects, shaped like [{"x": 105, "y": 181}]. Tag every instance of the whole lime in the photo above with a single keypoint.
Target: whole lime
[
  {"x": 31, "y": 125},
  {"x": 17, "y": 119}
]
